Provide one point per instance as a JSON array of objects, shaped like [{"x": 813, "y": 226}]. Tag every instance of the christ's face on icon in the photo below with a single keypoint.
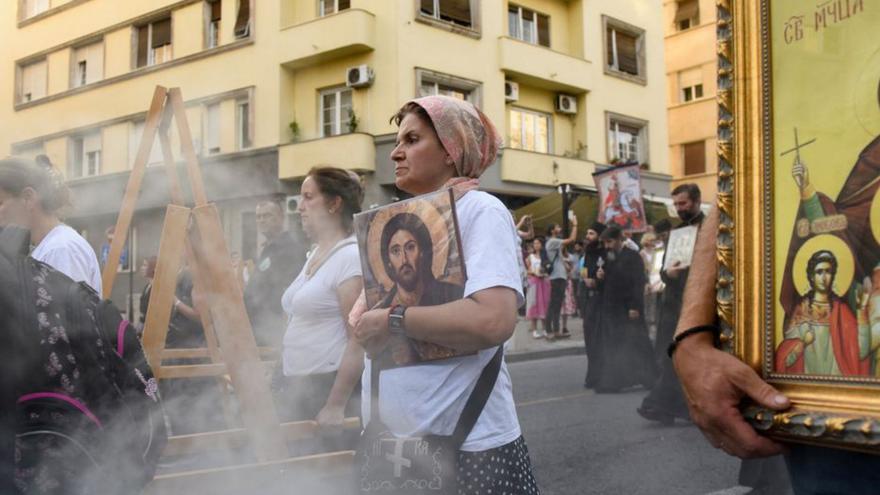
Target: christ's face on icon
[
  {"x": 823, "y": 277},
  {"x": 404, "y": 255}
]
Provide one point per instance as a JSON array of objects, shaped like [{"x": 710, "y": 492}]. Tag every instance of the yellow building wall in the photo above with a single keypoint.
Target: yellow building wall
[
  {"x": 188, "y": 29},
  {"x": 58, "y": 67},
  {"x": 56, "y": 150},
  {"x": 114, "y": 148},
  {"x": 560, "y": 36}
]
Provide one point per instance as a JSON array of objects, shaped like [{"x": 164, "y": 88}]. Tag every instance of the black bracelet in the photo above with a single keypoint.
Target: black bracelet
[{"x": 687, "y": 333}]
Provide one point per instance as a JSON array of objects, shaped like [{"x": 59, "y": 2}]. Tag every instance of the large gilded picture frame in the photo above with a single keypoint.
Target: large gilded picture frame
[{"x": 799, "y": 194}]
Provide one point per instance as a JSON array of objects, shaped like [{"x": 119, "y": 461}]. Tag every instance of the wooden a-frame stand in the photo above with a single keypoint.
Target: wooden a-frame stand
[{"x": 231, "y": 347}]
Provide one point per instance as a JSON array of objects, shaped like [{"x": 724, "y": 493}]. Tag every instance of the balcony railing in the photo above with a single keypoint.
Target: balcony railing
[
  {"x": 349, "y": 32},
  {"x": 546, "y": 170},
  {"x": 355, "y": 151},
  {"x": 544, "y": 68}
]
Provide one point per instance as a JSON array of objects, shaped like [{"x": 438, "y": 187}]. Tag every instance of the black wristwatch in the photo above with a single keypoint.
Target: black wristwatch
[{"x": 395, "y": 320}]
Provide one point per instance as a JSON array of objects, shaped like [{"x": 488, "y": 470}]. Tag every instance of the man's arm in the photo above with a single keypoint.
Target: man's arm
[{"x": 715, "y": 382}]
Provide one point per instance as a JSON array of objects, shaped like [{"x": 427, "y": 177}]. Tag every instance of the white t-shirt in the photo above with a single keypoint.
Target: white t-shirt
[
  {"x": 429, "y": 398},
  {"x": 66, "y": 251},
  {"x": 315, "y": 338}
]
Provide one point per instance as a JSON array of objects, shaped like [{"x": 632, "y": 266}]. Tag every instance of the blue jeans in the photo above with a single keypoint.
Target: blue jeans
[{"x": 824, "y": 471}]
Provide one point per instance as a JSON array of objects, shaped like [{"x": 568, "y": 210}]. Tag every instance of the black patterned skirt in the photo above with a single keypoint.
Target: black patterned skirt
[{"x": 504, "y": 470}]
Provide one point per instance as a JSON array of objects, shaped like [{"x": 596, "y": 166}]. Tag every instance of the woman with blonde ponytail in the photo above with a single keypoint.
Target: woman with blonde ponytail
[{"x": 32, "y": 196}]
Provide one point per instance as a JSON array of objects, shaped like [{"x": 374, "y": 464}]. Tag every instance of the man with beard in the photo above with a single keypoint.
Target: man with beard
[
  {"x": 593, "y": 252},
  {"x": 666, "y": 400},
  {"x": 281, "y": 258},
  {"x": 407, "y": 254},
  {"x": 625, "y": 357}
]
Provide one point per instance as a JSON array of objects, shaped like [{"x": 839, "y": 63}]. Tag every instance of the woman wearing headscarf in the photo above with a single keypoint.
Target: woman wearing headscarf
[{"x": 445, "y": 142}]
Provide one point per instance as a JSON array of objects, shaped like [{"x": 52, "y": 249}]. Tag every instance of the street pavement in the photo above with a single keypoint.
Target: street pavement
[{"x": 586, "y": 443}]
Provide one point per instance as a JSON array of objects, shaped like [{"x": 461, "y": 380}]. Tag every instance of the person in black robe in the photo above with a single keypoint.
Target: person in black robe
[
  {"x": 590, "y": 299},
  {"x": 666, "y": 400},
  {"x": 625, "y": 356}
]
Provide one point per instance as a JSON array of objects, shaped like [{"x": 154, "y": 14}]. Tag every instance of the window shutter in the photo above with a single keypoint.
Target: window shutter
[
  {"x": 609, "y": 45},
  {"x": 344, "y": 4},
  {"x": 243, "y": 20},
  {"x": 142, "y": 39},
  {"x": 627, "y": 59},
  {"x": 457, "y": 11},
  {"x": 695, "y": 158},
  {"x": 216, "y": 9},
  {"x": 543, "y": 30},
  {"x": 161, "y": 33},
  {"x": 687, "y": 9}
]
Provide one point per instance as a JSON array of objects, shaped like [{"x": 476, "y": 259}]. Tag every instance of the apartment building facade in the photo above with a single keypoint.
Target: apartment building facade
[
  {"x": 275, "y": 87},
  {"x": 691, "y": 72}
]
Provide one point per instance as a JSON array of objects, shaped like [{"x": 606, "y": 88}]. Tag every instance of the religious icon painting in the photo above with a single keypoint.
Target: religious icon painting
[
  {"x": 799, "y": 182},
  {"x": 411, "y": 256},
  {"x": 620, "y": 198},
  {"x": 680, "y": 248}
]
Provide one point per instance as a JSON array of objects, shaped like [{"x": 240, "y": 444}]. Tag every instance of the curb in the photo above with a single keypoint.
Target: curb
[{"x": 544, "y": 354}]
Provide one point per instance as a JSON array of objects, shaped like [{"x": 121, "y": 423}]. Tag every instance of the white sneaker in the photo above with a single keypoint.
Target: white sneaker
[{"x": 538, "y": 335}]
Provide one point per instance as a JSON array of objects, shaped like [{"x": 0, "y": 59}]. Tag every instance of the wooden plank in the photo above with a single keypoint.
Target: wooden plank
[
  {"x": 168, "y": 158},
  {"x": 168, "y": 261},
  {"x": 190, "y": 370},
  {"x": 237, "y": 438},
  {"x": 175, "y": 99},
  {"x": 236, "y": 337},
  {"x": 132, "y": 191},
  {"x": 321, "y": 474},
  {"x": 270, "y": 353}
]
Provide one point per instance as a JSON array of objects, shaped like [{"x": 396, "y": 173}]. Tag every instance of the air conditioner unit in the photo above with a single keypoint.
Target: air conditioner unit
[
  {"x": 359, "y": 77},
  {"x": 566, "y": 104},
  {"x": 511, "y": 91},
  {"x": 291, "y": 203}
]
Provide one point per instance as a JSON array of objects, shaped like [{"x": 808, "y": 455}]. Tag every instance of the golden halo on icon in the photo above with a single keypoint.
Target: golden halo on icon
[{"x": 845, "y": 263}]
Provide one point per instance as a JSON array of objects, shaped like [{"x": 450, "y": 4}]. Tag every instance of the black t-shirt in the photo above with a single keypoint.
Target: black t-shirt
[{"x": 277, "y": 266}]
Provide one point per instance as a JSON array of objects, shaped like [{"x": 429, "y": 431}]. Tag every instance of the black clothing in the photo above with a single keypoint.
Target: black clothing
[
  {"x": 666, "y": 398},
  {"x": 554, "y": 309},
  {"x": 624, "y": 355},
  {"x": 183, "y": 332},
  {"x": 145, "y": 303},
  {"x": 279, "y": 263},
  {"x": 591, "y": 301}
]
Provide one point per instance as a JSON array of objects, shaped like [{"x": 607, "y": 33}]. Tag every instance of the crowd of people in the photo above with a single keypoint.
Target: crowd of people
[{"x": 623, "y": 294}]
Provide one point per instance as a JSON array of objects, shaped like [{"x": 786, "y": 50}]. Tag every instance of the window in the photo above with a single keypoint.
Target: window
[
  {"x": 212, "y": 128},
  {"x": 134, "y": 142},
  {"x": 33, "y": 7},
  {"x": 687, "y": 14},
  {"x": 530, "y": 131},
  {"x": 624, "y": 50},
  {"x": 691, "y": 84},
  {"x": 243, "y": 124},
  {"x": 31, "y": 150},
  {"x": 154, "y": 43},
  {"x": 335, "y": 111},
  {"x": 88, "y": 64},
  {"x": 430, "y": 83},
  {"x": 327, "y": 7},
  {"x": 457, "y": 12},
  {"x": 212, "y": 31},
  {"x": 85, "y": 155},
  {"x": 243, "y": 19},
  {"x": 33, "y": 81},
  {"x": 694, "y": 158},
  {"x": 627, "y": 141},
  {"x": 526, "y": 25}
]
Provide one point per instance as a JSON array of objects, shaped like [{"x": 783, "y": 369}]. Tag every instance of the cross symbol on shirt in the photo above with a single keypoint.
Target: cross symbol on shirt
[{"x": 397, "y": 457}]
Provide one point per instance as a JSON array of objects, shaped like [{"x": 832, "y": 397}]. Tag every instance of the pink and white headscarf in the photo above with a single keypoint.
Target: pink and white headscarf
[{"x": 465, "y": 132}]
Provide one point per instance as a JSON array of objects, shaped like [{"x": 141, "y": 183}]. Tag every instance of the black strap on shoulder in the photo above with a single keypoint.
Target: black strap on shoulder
[{"x": 478, "y": 398}]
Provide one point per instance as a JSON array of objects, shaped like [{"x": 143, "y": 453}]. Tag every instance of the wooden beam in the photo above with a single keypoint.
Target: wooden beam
[
  {"x": 237, "y": 438},
  {"x": 270, "y": 353},
  {"x": 132, "y": 191},
  {"x": 190, "y": 370},
  {"x": 175, "y": 99},
  {"x": 171, "y": 246},
  {"x": 322, "y": 473},
  {"x": 236, "y": 337}
]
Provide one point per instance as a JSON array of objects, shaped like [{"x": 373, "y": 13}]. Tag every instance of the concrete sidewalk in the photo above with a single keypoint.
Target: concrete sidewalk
[{"x": 523, "y": 347}]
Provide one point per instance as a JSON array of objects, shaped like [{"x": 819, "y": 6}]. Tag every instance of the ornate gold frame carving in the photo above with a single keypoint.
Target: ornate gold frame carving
[{"x": 845, "y": 415}]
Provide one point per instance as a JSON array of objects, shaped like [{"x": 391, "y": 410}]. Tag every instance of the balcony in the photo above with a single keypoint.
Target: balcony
[
  {"x": 349, "y": 32},
  {"x": 546, "y": 170},
  {"x": 355, "y": 151},
  {"x": 544, "y": 68}
]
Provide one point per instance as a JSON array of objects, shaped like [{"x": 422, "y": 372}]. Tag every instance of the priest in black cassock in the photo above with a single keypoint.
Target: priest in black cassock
[
  {"x": 625, "y": 357},
  {"x": 591, "y": 298}
]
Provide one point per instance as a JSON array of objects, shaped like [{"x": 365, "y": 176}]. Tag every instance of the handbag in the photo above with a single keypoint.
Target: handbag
[
  {"x": 417, "y": 465},
  {"x": 547, "y": 266}
]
